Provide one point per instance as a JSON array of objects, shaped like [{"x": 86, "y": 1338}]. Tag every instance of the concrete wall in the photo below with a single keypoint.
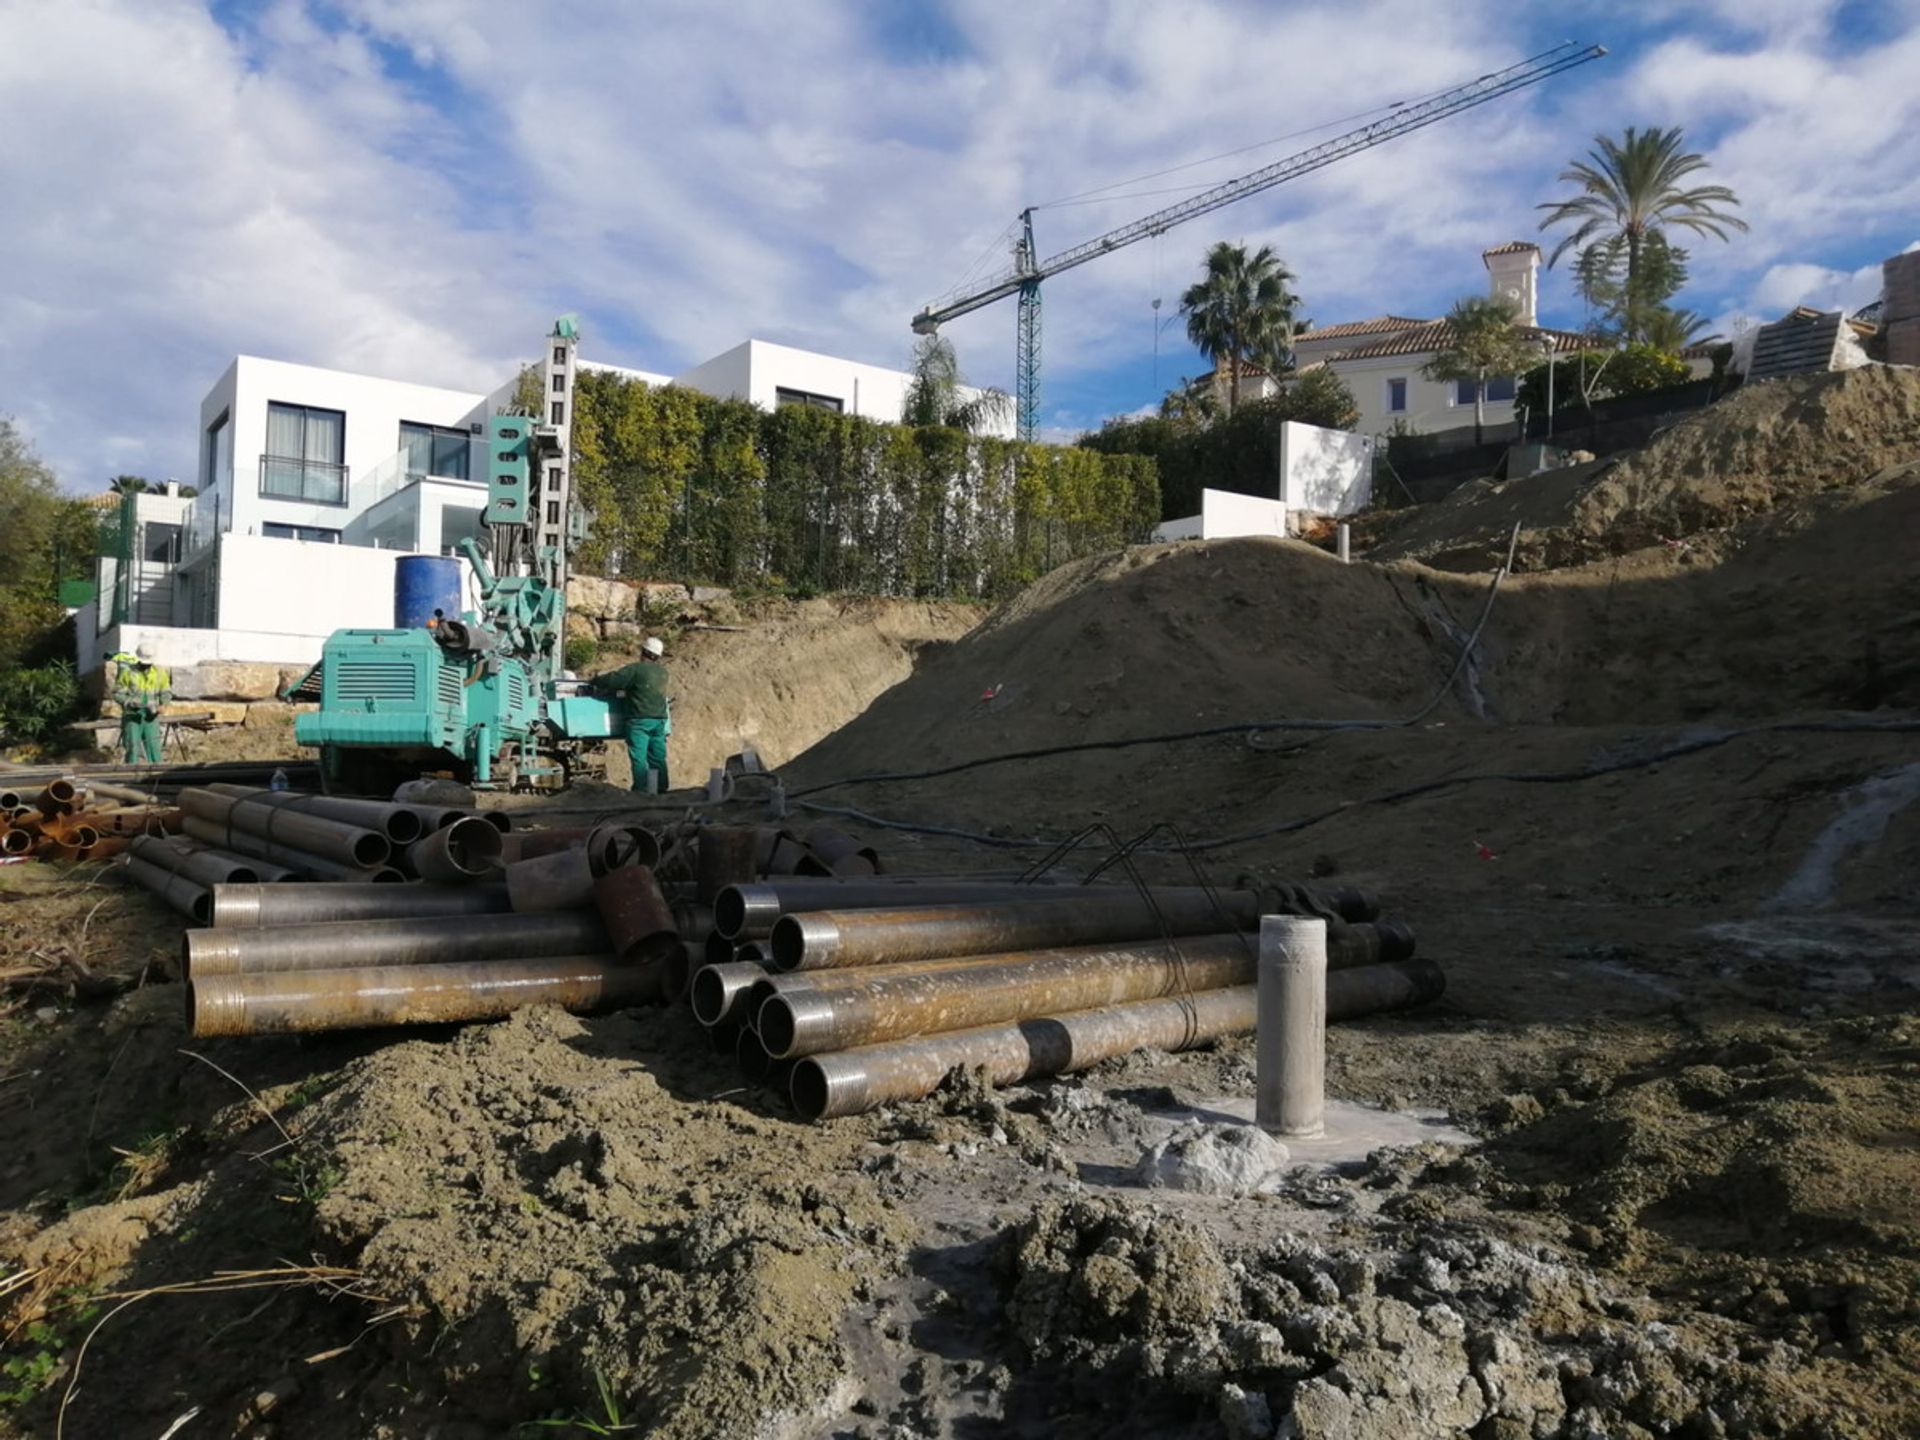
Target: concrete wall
[
  {"x": 1225, "y": 515},
  {"x": 1431, "y": 404},
  {"x": 1324, "y": 472},
  {"x": 374, "y": 409}
]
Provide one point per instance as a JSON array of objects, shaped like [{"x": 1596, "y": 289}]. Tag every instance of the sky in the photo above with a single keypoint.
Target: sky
[{"x": 415, "y": 188}]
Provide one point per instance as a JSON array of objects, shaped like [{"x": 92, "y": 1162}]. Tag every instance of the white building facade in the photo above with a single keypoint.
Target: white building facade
[{"x": 312, "y": 482}]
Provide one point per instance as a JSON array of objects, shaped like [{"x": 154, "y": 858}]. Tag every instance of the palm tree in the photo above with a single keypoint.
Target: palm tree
[
  {"x": 1670, "y": 331},
  {"x": 934, "y": 396},
  {"x": 1630, "y": 195},
  {"x": 1483, "y": 342},
  {"x": 1242, "y": 312},
  {"x": 129, "y": 485}
]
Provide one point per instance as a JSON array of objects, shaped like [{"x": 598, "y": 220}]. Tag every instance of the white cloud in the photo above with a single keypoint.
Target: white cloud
[{"x": 687, "y": 176}]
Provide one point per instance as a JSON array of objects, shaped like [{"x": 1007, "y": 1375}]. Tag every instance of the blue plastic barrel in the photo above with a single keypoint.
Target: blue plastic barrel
[{"x": 425, "y": 586}]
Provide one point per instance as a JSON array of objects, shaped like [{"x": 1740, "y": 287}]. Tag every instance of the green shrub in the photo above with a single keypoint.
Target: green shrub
[
  {"x": 36, "y": 702},
  {"x": 579, "y": 653},
  {"x": 1630, "y": 370}
]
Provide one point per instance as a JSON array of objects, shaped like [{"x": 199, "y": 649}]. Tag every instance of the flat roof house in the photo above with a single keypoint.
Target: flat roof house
[{"x": 311, "y": 482}]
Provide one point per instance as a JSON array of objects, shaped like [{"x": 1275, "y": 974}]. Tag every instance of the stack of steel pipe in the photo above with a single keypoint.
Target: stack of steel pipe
[
  {"x": 66, "y": 819},
  {"x": 848, "y": 994}
]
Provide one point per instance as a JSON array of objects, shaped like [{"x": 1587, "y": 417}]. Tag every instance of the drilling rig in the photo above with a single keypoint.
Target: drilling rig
[{"x": 481, "y": 695}]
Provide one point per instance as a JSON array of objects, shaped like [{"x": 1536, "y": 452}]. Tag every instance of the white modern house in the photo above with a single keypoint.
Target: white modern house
[
  {"x": 312, "y": 482},
  {"x": 1381, "y": 358}
]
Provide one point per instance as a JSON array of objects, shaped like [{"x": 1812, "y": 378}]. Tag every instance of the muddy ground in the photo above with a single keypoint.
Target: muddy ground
[{"x": 1648, "y": 1168}]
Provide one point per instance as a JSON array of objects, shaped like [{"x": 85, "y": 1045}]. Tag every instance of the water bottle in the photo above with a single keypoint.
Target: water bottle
[{"x": 279, "y": 781}]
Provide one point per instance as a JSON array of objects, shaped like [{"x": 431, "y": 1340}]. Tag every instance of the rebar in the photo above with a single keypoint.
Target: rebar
[
  {"x": 302, "y": 1000},
  {"x": 857, "y": 1080},
  {"x": 413, "y": 940},
  {"x": 251, "y": 906}
]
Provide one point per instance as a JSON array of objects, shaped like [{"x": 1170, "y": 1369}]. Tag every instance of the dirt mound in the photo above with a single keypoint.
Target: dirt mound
[
  {"x": 1448, "y": 1332},
  {"x": 795, "y": 672},
  {"x": 1765, "y": 446}
]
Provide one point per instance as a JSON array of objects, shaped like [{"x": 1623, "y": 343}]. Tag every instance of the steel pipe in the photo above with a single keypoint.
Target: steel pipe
[
  {"x": 303, "y": 1000},
  {"x": 694, "y": 920},
  {"x": 677, "y": 967},
  {"x": 775, "y": 983},
  {"x": 15, "y": 842},
  {"x": 562, "y": 880},
  {"x": 10, "y": 801},
  {"x": 468, "y": 849},
  {"x": 719, "y": 949},
  {"x": 723, "y": 856},
  {"x": 182, "y": 894},
  {"x": 401, "y": 824},
  {"x": 831, "y": 939},
  {"x": 720, "y": 992},
  {"x": 758, "y": 1066},
  {"x": 841, "y": 853},
  {"x": 202, "y": 867},
  {"x": 1041, "y": 982},
  {"x": 316, "y": 835},
  {"x": 853, "y": 1081},
  {"x": 414, "y": 940},
  {"x": 222, "y": 837},
  {"x": 57, "y": 798},
  {"x": 636, "y": 914},
  {"x": 748, "y": 912},
  {"x": 251, "y": 906}
]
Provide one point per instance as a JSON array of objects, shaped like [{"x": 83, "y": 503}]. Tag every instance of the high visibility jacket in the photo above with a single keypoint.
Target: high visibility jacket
[{"x": 145, "y": 686}]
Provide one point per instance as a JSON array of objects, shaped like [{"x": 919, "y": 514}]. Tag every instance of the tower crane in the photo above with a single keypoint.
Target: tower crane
[{"x": 1027, "y": 271}]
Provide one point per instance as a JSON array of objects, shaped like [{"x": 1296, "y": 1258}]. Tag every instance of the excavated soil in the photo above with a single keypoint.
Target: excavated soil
[{"x": 1660, "y": 833}]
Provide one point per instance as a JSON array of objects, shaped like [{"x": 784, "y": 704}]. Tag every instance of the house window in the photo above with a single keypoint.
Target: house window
[
  {"x": 553, "y": 512},
  {"x": 306, "y": 455},
  {"x": 553, "y": 479},
  {"x": 274, "y": 530},
  {"x": 1397, "y": 396},
  {"x": 559, "y": 412},
  {"x": 559, "y": 354},
  {"x": 435, "y": 450},
  {"x": 559, "y": 382},
  {"x": 1502, "y": 387},
  {"x": 784, "y": 396},
  {"x": 219, "y": 451}
]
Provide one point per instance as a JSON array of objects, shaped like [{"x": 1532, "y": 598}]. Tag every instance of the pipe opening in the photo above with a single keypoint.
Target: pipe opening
[
  {"x": 809, "y": 1090},
  {"x": 403, "y": 827},
  {"x": 499, "y": 819},
  {"x": 777, "y": 1027},
  {"x": 729, "y": 912},
  {"x": 709, "y": 995},
  {"x": 788, "y": 943},
  {"x": 474, "y": 848},
  {"x": 370, "y": 850}
]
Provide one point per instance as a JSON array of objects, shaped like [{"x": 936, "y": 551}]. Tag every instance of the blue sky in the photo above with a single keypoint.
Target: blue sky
[{"x": 415, "y": 187}]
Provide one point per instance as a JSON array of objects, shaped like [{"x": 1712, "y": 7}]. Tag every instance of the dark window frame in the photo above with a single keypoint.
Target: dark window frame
[
  {"x": 222, "y": 421},
  {"x": 808, "y": 399},
  {"x": 339, "y": 467},
  {"x": 436, "y": 434},
  {"x": 1397, "y": 392}
]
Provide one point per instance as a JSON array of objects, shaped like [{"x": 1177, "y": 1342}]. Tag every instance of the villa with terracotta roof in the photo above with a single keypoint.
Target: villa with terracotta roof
[{"x": 1380, "y": 359}]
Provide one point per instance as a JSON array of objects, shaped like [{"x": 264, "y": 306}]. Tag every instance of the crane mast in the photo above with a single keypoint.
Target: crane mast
[{"x": 1024, "y": 276}]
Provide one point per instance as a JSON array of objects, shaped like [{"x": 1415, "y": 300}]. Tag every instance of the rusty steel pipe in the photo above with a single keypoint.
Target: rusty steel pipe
[
  {"x": 748, "y": 912},
  {"x": 636, "y": 914},
  {"x": 221, "y": 837},
  {"x": 777, "y": 983},
  {"x": 57, "y": 798},
  {"x": 857, "y": 1080},
  {"x": 809, "y": 1021},
  {"x": 316, "y": 835},
  {"x": 820, "y": 940},
  {"x": 105, "y": 848},
  {"x": 468, "y": 849},
  {"x": 11, "y": 801},
  {"x": 202, "y": 867},
  {"x": 562, "y": 880},
  {"x": 302, "y": 1000},
  {"x": 719, "y": 992},
  {"x": 191, "y": 900},
  {"x": 401, "y": 824},
  {"x": 15, "y": 842},
  {"x": 723, "y": 856},
  {"x": 412, "y": 940},
  {"x": 251, "y": 906}
]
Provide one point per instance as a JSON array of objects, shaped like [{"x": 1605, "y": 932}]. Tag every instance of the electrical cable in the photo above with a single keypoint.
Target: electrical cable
[{"x": 1209, "y": 731}]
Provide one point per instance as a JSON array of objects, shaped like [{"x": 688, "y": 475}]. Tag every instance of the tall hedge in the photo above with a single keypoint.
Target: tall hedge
[{"x": 697, "y": 489}]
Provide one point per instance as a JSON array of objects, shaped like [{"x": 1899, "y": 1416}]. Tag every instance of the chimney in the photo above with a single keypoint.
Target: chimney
[
  {"x": 173, "y": 489},
  {"x": 1513, "y": 275}
]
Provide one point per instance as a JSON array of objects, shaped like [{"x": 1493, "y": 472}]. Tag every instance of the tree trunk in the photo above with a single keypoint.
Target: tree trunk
[
  {"x": 1479, "y": 408},
  {"x": 1630, "y": 321}
]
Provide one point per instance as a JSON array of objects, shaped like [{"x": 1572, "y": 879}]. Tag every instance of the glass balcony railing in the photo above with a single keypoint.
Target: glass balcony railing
[{"x": 317, "y": 482}]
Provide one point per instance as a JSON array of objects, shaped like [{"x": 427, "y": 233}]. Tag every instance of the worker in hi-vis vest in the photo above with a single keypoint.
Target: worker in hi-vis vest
[
  {"x": 140, "y": 688},
  {"x": 641, "y": 690}
]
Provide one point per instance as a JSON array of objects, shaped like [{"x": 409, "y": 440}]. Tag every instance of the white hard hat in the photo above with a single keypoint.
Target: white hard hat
[
  {"x": 144, "y": 654},
  {"x": 654, "y": 646}
]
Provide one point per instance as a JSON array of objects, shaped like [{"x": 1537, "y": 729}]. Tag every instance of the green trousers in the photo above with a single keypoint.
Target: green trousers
[
  {"x": 140, "y": 739},
  {"x": 647, "y": 749}
]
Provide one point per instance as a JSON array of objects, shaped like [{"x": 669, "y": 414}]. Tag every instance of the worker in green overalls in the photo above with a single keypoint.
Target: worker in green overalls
[
  {"x": 641, "y": 690},
  {"x": 140, "y": 688}
]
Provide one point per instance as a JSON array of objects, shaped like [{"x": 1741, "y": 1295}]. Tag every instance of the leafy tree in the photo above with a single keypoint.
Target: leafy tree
[
  {"x": 1242, "y": 313},
  {"x": 1632, "y": 192},
  {"x": 1589, "y": 375},
  {"x": 936, "y": 396},
  {"x": 1483, "y": 342},
  {"x": 44, "y": 538}
]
